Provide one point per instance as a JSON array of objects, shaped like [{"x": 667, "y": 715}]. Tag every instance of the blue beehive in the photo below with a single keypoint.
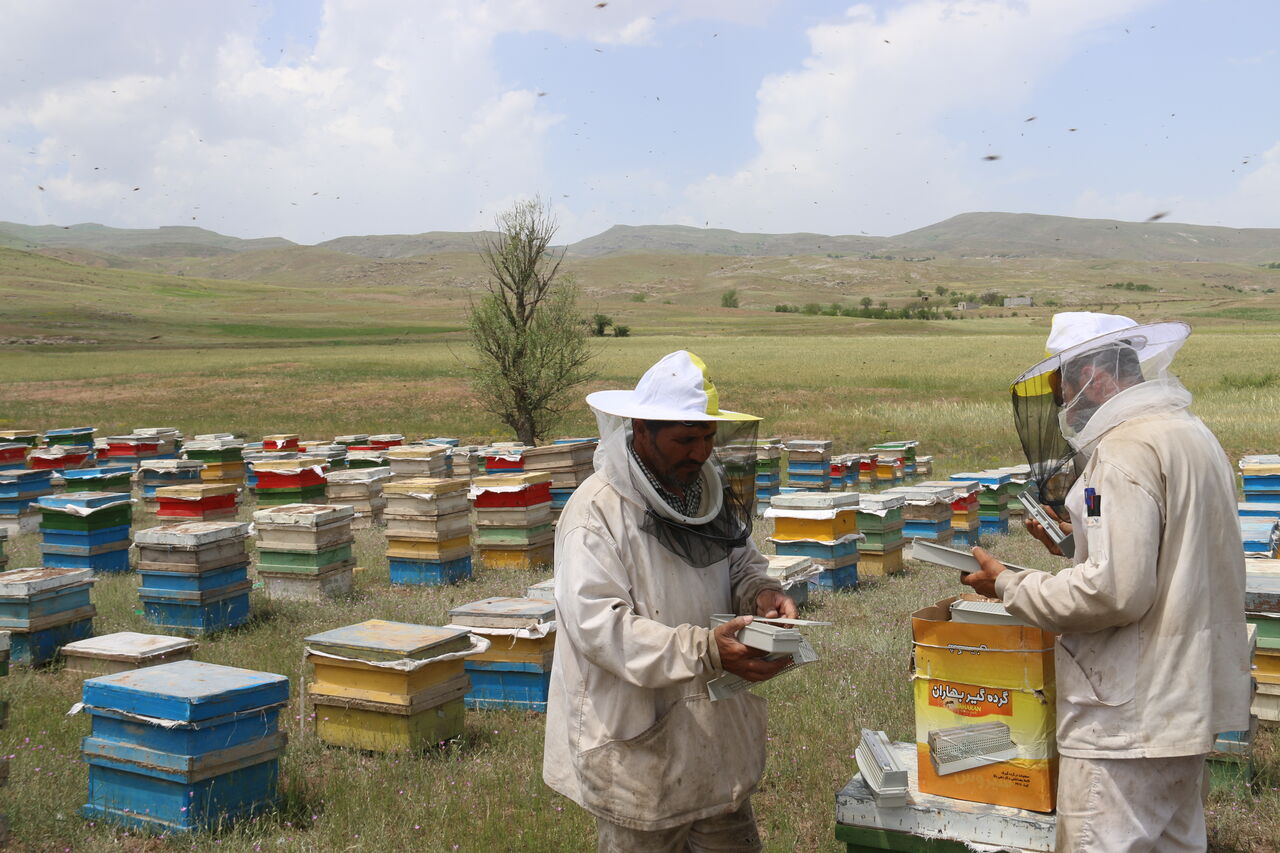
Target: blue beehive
[
  {"x": 197, "y": 612},
  {"x": 194, "y": 581},
  {"x": 501, "y": 684},
  {"x": 965, "y": 537},
  {"x": 81, "y": 530},
  {"x": 213, "y": 760},
  {"x": 845, "y": 577},
  {"x": 18, "y": 484},
  {"x": 932, "y": 530},
  {"x": 429, "y": 572},
  {"x": 43, "y": 609}
]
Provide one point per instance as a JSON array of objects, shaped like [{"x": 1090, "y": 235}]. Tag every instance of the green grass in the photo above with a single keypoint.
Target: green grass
[
  {"x": 283, "y": 332},
  {"x": 484, "y": 792}
]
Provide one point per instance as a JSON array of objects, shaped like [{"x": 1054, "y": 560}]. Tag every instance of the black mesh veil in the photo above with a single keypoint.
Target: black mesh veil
[
  {"x": 1053, "y": 461},
  {"x": 728, "y": 495}
]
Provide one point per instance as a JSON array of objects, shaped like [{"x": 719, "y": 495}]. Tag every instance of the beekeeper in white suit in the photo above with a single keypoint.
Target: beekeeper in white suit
[
  {"x": 1151, "y": 661},
  {"x": 647, "y": 549}
]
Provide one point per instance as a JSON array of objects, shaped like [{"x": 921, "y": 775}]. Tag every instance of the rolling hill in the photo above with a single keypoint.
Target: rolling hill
[{"x": 167, "y": 241}]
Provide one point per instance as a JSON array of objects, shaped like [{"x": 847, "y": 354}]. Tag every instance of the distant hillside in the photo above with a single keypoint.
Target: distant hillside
[
  {"x": 406, "y": 245},
  {"x": 168, "y": 241},
  {"x": 1033, "y": 235},
  {"x": 687, "y": 240}
]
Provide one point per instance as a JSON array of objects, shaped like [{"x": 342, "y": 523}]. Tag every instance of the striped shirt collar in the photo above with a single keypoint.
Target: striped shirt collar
[{"x": 687, "y": 506}]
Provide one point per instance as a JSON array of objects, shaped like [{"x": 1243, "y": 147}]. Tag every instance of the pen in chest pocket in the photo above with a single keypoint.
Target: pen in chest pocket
[{"x": 1092, "y": 503}]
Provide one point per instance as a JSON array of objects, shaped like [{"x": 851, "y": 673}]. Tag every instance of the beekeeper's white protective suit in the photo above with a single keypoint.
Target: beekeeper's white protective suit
[
  {"x": 631, "y": 735},
  {"x": 1151, "y": 660}
]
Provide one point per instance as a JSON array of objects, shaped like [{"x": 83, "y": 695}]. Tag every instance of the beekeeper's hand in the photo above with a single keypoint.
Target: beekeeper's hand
[
  {"x": 1037, "y": 530},
  {"x": 983, "y": 581},
  {"x": 773, "y": 603},
  {"x": 744, "y": 661}
]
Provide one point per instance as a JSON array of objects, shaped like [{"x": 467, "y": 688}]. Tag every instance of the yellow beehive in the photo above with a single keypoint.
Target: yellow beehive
[
  {"x": 383, "y": 731},
  {"x": 422, "y": 549},
  {"x": 879, "y": 564},
  {"x": 823, "y": 529},
  {"x": 507, "y": 649},
  {"x": 1266, "y": 666},
  {"x": 352, "y": 679},
  {"x": 516, "y": 558}
]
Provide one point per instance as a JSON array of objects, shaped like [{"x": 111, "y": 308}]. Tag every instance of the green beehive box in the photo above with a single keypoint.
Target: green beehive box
[
  {"x": 225, "y": 454},
  {"x": 870, "y": 522},
  {"x": 512, "y": 536},
  {"x": 122, "y": 483},
  {"x": 880, "y": 540},
  {"x": 280, "y": 497},
  {"x": 113, "y": 517},
  {"x": 302, "y": 561}
]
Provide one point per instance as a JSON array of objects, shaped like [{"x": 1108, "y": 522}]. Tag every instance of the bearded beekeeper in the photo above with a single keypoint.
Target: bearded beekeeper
[
  {"x": 647, "y": 549},
  {"x": 1151, "y": 659}
]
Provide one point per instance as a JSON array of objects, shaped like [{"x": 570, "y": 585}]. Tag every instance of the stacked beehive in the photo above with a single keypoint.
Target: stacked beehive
[
  {"x": 794, "y": 573},
  {"x": 58, "y": 457},
  {"x": 13, "y": 456},
  {"x": 927, "y": 511},
  {"x": 131, "y": 450},
  {"x": 158, "y": 473},
  {"x": 289, "y": 481},
  {"x": 880, "y": 523},
  {"x": 86, "y": 530},
  {"x": 768, "y": 471},
  {"x": 195, "y": 576},
  {"x": 106, "y": 478},
  {"x": 123, "y": 651},
  {"x": 365, "y": 456},
  {"x": 503, "y": 457},
  {"x": 1262, "y": 611},
  {"x": 333, "y": 455},
  {"x": 569, "y": 463},
  {"x": 198, "y": 502},
  {"x": 822, "y": 526},
  {"x": 29, "y": 437},
  {"x": 281, "y": 443},
  {"x": 170, "y": 439},
  {"x": 924, "y": 466},
  {"x": 993, "y": 499},
  {"x": 222, "y": 455},
  {"x": 867, "y": 465},
  {"x": 360, "y": 438},
  {"x": 43, "y": 610},
  {"x": 513, "y": 520},
  {"x": 428, "y": 531},
  {"x": 304, "y": 551},
  {"x": 183, "y": 746},
  {"x": 1260, "y": 476},
  {"x": 515, "y": 671},
  {"x": 19, "y": 490},
  {"x": 360, "y": 489},
  {"x": 70, "y": 437},
  {"x": 1261, "y": 536},
  {"x": 414, "y": 461},
  {"x": 904, "y": 451},
  {"x": 890, "y": 466},
  {"x": 739, "y": 464},
  {"x": 965, "y": 523},
  {"x": 467, "y": 461},
  {"x": 809, "y": 465},
  {"x": 844, "y": 473},
  {"x": 388, "y": 686}
]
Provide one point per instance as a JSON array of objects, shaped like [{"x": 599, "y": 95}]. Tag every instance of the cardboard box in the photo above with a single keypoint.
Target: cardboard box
[{"x": 985, "y": 714}]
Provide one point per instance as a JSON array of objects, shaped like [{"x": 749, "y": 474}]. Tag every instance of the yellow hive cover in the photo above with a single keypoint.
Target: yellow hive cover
[
  {"x": 416, "y": 451},
  {"x": 195, "y": 492},
  {"x": 426, "y": 486},
  {"x": 528, "y": 478}
]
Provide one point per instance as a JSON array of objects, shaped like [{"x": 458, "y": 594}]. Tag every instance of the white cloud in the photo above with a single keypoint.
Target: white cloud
[
  {"x": 854, "y": 138},
  {"x": 1249, "y": 203}
]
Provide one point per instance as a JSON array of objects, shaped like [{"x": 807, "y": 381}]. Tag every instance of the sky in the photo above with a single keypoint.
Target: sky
[{"x": 315, "y": 119}]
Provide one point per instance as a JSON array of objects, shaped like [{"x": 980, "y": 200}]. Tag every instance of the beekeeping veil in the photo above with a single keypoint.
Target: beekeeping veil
[
  {"x": 678, "y": 389},
  {"x": 1102, "y": 370}
]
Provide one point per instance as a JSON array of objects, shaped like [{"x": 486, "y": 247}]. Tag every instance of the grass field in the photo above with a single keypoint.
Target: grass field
[{"x": 280, "y": 356}]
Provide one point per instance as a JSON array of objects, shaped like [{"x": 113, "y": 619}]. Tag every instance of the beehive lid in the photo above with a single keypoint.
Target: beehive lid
[
  {"x": 815, "y": 500},
  {"x": 426, "y": 486},
  {"x": 192, "y": 533},
  {"x": 881, "y": 503},
  {"x": 187, "y": 691},
  {"x": 360, "y": 475},
  {"x": 783, "y": 566},
  {"x": 21, "y": 582},
  {"x": 214, "y": 436},
  {"x": 524, "y": 480},
  {"x": 281, "y": 438},
  {"x": 23, "y": 475},
  {"x": 808, "y": 444},
  {"x": 96, "y": 473},
  {"x": 417, "y": 451},
  {"x": 379, "y": 640},
  {"x": 171, "y": 465},
  {"x": 295, "y": 464},
  {"x": 196, "y": 491},
  {"x": 81, "y": 501},
  {"x": 503, "y": 612},
  {"x": 128, "y": 645},
  {"x": 66, "y": 431},
  {"x": 304, "y": 515},
  {"x": 545, "y": 590},
  {"x": 389, "y": 436},
  {"x": 355, "y": 438},
  {"x": 923, "y": 493}
]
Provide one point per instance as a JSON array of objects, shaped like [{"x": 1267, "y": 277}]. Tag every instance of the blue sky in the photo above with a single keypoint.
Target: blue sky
[{"x": 312, "y": 120}]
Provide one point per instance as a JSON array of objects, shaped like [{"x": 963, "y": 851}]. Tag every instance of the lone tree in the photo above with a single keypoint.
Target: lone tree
[{"x": 527, "y": 331}]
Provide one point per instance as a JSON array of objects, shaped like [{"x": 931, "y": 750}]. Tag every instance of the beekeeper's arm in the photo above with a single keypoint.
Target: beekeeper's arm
[
  {"x": 1116, "y": 584},
  {"x": 595, "y": 607},
  {"x": 754, "y": 592}
]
